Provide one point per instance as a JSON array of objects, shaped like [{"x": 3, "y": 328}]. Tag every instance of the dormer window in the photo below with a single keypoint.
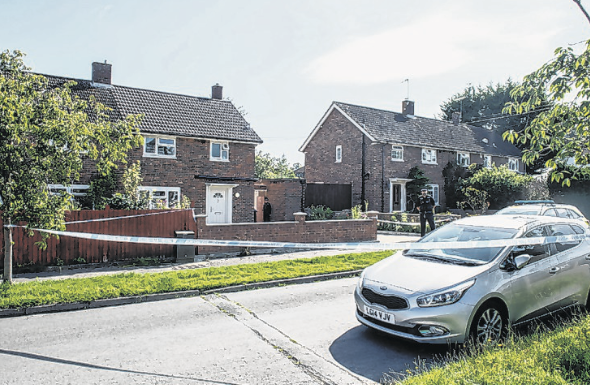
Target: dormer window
[
  {"x": 428, "y": 156},
  {"x": 220, "y": 151},
  {"x": 338, "y": 154},
  {"x": 463, "y": 159},
  {"x": 159, "y": 146}
]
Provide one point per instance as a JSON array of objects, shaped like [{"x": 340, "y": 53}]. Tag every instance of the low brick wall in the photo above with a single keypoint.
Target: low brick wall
[{"x": 299, "y": 231}]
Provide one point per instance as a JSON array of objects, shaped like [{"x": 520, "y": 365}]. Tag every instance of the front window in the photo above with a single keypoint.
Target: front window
[
  {"x": 433, "y": 192},
  {"x": 338, "y": 154},
  {"x": 487, "y": 161},
  {"x": 75, "y": 190},
  {"x": 158, "y": 146},
  {"x": 220, "y": 151},
  {"x": 462, "y": 233},
  {"x": 513, "y": 164},
  {"x": 163, "y": 197},
  {"x": 463, "y": 159},
  {"x": 397, "y": 153},
  {"x": 428, "y": 156}
]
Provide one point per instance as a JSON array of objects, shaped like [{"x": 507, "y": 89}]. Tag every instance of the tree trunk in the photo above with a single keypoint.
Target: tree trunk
[{"x": 8, "y": 252}]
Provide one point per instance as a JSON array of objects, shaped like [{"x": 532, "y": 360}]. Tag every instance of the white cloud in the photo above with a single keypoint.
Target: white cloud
[{"x": 431, "y": 46}]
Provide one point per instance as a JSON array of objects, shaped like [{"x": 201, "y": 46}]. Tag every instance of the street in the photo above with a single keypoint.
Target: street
[{"x": 297, "y": 334}]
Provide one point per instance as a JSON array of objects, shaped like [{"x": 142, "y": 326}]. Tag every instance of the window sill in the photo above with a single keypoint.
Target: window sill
[
  {"x": 219, "y": 160},
  {"x": 433, "y": 163},
  {"x": 397, "y": 160},
  {"x": 159, "y": 156}
]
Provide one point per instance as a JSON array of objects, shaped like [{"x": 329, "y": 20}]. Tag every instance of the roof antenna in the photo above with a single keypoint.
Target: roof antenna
[{"x": 408, "y": 88}]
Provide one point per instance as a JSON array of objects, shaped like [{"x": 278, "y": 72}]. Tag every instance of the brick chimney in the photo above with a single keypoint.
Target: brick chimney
[
  {"x": 456, "y": 118},
  {"x": 101, "y": 72},
  {"x": 408, "y": 107},
  {"x": 217, "y": 92}
]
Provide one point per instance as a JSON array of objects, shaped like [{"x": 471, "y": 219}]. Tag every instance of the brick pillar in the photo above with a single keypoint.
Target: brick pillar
[
  {"x": 373, "y": 215},
  {"x": 300, "y": 217}
]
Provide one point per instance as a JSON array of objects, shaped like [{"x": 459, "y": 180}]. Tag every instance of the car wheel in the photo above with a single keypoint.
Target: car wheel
[{"x": 489, "y": 325}]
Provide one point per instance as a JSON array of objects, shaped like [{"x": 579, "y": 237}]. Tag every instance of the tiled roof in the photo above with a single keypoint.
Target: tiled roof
[
  {"x": 392, "y": 127},
  {"x": 169, "y": 114}
]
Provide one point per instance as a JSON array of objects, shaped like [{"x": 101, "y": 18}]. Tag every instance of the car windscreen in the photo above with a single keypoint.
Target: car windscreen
[
  {"x": 461, "y": 233},
  {"x": 518, "y": 211}
]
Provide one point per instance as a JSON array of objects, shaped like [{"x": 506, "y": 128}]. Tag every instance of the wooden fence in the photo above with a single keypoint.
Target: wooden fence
[{"x": 147, "y": 223}]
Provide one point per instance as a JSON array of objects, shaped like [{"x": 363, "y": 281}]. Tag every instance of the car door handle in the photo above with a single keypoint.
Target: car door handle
[{"x": 553, "y": 270}]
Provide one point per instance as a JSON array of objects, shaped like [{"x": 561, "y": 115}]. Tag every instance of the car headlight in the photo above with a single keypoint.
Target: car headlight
[
  {"x": 359, "y": 284},
  {"x": 445, "y": 297}
]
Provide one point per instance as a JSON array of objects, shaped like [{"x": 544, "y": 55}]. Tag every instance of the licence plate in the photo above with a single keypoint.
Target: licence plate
[{"x": 380, "y": 315}]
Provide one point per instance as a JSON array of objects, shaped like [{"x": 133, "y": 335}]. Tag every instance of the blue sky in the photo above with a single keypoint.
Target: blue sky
[{"x": 284, "y": 62}]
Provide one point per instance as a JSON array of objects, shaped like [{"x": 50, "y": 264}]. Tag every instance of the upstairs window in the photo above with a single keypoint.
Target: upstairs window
[
  {"x": 487, "y": 161},
  {"x": 463, "y": 159},
  {"x": 513, "y": 164},
  {"x": 157, "y": 146},
  {"x": 428, "y": 156},
  {"x": 220, "y": 151},
  {"x": 397, "y": 153},
  {"x": 338, "y": 154}
]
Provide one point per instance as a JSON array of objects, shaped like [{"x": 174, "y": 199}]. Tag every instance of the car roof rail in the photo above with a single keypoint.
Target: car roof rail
[{"x": 533, "y": 202}]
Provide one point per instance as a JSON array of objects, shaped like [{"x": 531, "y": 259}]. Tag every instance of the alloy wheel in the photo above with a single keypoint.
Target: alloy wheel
[{"x": 489, "y": 326}]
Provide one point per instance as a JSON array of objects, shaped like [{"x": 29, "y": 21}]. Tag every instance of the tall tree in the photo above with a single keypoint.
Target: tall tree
[
  {"x": 483, "y": 107},
  {"x": 269, "y": 167},
  {"x": 45, "y": 132},
  {"x": 562, "y": 132}
]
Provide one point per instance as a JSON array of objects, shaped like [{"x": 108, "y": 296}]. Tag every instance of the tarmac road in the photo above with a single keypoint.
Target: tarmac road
[{"x": 295, "y": 334}]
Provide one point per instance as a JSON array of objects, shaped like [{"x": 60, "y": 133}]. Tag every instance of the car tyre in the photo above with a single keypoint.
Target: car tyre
[{"x": 489, "y": 325}]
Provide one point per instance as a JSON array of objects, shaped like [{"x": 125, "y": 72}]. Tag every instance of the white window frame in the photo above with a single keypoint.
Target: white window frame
[
  {"x": 158, "y": 144},
  {"x": 165, "y": 190},
  {"x": 429, "y": 156},
  {"x": 223, "y": 151},
  {"x": 513, "y": 164},
  {"x": 434, "y": 192},
  {"x": 339, "y": 154},
  {"x": 463, "y": 159},
  {"x": 397, "y": 153},
  {"x": 487, "y": 161},
  {"x": 71, "y": 189}
]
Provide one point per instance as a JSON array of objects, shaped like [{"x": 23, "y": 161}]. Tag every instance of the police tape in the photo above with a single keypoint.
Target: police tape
[{"x": 451, "y": 244}]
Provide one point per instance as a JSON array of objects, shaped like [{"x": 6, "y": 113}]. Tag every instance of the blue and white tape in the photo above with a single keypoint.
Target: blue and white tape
[{"x": 342, "y": 246}]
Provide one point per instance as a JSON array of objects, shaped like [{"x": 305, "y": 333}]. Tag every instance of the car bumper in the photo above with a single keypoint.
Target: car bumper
[{"x": 454, "y": 318}]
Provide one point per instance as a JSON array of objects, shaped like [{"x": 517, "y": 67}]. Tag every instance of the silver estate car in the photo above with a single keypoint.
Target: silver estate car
[
  {"x": 544, "y": 207},
  {"x": 442, "y": 296}
]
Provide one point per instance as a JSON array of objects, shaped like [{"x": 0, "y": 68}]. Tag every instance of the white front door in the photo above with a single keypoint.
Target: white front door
[{"x": 217, "y": 204}]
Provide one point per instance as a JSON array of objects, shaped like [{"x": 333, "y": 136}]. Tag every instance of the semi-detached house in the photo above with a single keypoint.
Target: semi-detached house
[
  {"x": 373, "y": 150},
  {"x": 199, "y": 147}
]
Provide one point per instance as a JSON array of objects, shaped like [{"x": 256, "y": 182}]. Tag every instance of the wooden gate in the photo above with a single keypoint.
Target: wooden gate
[{"x": 335, "y": 196}]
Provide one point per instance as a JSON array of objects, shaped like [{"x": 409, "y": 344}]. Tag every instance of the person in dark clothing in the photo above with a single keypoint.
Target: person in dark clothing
[
  {"x": 266, "y": 210},
  {"x": 426, "y": 208}
]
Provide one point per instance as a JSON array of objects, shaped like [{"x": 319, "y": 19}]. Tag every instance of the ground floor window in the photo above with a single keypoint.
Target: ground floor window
[
  {"x": 163, "y": 197},
  {"x": 434, "y": 192}
]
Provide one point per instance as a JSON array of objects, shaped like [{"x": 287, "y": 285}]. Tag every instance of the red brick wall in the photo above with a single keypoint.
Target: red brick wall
[
  {"x": 297, "y": 231},
  {"x": 285, "y": 196},
  {"x": 192, "y": 158}
]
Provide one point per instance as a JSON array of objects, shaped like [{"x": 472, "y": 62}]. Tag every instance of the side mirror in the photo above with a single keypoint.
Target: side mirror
[{"x": 521, "y": 261}]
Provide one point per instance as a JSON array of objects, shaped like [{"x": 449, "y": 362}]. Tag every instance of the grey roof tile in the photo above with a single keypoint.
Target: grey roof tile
[
  {"x": 169, "y": 114},
  {"x": 396, "y": 128}
]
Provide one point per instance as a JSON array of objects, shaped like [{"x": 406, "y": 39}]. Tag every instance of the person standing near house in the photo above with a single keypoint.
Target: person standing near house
[
  {"x": 426, "y": 208},
  {"x": 266, "y": 210}
]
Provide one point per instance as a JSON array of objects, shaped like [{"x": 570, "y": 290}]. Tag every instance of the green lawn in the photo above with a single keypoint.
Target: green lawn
[
  {"x": 559, "y": 356},
  {"x": 72, "y": 290}
]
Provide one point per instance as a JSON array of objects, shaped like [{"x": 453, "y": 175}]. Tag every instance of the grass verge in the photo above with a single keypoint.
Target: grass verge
[
  {"x": 561, "y": 356},
  {"x": 46, "y": 292}
]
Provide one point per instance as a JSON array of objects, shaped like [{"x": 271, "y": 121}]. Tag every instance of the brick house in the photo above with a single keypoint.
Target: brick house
[
  {"x": 351, "y": 141},
  {"x": 199, "y": 147}
]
